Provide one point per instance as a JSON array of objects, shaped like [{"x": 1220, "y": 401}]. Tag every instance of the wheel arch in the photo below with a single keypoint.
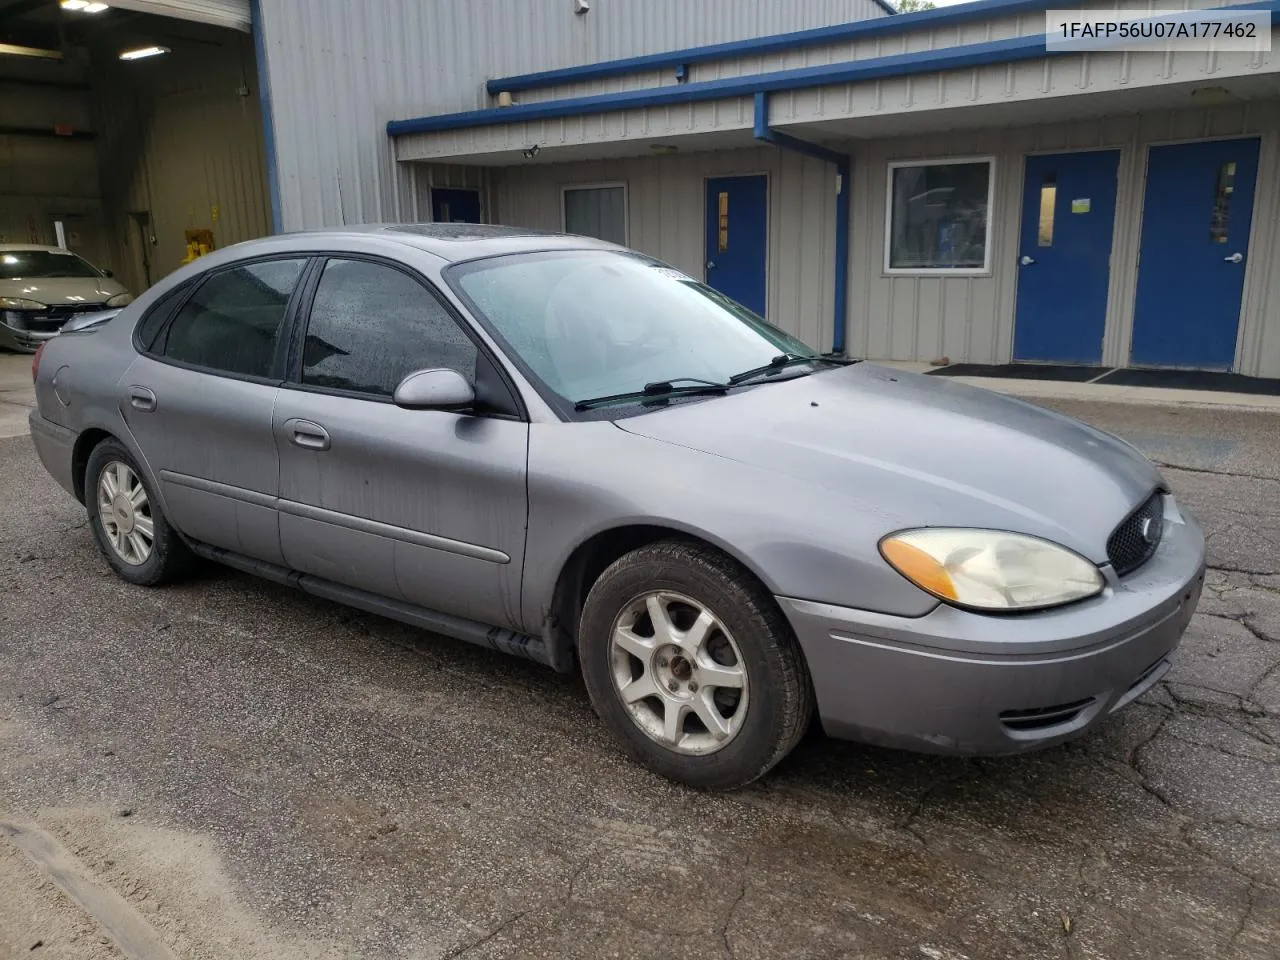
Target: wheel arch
[
  {"x": 593, "y": 555},
  {"x": 85, "y": 444}
]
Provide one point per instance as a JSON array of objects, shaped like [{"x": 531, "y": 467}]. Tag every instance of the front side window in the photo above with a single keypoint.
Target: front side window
[
  {"x": 232, "y": 323},
  {"x": 593, "y": 323},
  {"x": 599, "y": 212},
  {"x": 372, "y": 325},
  {"x": 43, "y": 264},
  {"x": 937, "y": 217}
]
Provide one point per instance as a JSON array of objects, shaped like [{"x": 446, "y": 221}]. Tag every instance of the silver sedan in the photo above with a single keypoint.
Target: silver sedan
[{"x": 570, "y": 452}]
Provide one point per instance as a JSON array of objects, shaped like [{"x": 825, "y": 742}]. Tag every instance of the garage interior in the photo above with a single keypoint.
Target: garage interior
[{"x": 137, "y": 164}]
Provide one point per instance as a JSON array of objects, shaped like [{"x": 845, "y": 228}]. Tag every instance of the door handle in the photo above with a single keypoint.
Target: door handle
[
  {"x": 1026, "y": 261},
  {"x": 142, "y": 398},
  {"x": 304, "y": 433},
  {"x": 711, "y": 264},
  {"x": 1234, "y": 258}
]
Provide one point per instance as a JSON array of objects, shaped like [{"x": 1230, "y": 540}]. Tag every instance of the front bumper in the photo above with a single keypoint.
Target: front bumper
[
  {"x": 24, "y": 341},
  {"x": 958, "y": 682}
]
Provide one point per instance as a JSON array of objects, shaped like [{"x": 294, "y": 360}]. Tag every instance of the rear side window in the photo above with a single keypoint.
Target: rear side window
[
  {"x": 233, "y": 322},
  {"x": 372, "y": 325},
  {"x": 151, "y": 324}
]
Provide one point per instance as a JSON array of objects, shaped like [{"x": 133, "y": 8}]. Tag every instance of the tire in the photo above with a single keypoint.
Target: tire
[
  {"x": 119, "y": 528},
  {"x": 729, "y": 627}
]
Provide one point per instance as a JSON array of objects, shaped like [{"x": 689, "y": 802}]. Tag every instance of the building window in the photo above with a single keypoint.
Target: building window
[
  {"x": 1048, "y": 204},
  {"x": 936, "y": 217},
  {"x": 599, "y": 211}
]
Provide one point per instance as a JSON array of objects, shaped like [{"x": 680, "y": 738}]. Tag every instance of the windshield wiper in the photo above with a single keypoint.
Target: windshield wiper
[
  {"x": 781, "y": 361},
  {"x": 658, "y": 390}
]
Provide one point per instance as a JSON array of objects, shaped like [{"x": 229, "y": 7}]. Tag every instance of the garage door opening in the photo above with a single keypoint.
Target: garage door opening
[{"x": 131, "y": 132}]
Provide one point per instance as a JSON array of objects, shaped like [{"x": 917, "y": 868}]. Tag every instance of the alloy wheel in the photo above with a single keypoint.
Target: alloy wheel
[
  {"x": 679, "y": 673},
  {"x": 125, "y": 513}
]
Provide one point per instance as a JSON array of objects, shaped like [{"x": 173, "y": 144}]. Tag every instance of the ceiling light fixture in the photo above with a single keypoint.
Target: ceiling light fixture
[
  {"x": 83, "y": 6},
  {"x": 141, "y": 52}
]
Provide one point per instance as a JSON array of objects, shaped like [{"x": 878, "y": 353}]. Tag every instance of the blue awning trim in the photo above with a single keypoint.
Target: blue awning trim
[
  {"x": 904, "y": 64},
  {"x": 775, "y": 43}
]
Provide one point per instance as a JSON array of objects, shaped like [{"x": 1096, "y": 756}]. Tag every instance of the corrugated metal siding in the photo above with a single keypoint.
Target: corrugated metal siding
[
  {"x": 983, "y": 31},
  {"x": 666, "y": 204},
  {"x": 972, "y": 318},
  {"x": 179, "y": 138},
  {"x": 988, "y": 87},
  {"x": 401, "y": 58}
]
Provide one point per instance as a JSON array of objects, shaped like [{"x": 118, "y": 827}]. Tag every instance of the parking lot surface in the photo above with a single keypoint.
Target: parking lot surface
[{"x": 249, "y": 772}]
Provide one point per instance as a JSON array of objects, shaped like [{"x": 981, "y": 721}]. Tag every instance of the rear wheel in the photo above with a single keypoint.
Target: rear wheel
[
  {"x": 692, "y": 667},
  {"x": 127, "y": 522}
]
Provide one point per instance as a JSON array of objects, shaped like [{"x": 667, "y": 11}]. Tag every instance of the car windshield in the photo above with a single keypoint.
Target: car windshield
[
  {"x": 599, "y": 323},
  {"x": 35, "y": 264}
]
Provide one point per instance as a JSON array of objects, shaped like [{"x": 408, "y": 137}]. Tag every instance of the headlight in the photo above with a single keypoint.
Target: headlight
[
  {"x": 18, "y": 303},
  {"x": 990, "y": 569},
  {"x": 120, "y": 300}
]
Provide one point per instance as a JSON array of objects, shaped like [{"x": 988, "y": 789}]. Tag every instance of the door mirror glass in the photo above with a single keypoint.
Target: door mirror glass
[{"x": 437, "y": 389}]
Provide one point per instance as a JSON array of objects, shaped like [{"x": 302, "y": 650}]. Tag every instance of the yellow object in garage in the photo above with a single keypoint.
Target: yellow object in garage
[{"x": 199, "y": 242}]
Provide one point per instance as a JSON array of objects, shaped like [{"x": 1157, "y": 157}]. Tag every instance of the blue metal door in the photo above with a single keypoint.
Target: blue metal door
[
  {"x": 455, "y": 206},
  {"x": 737, "y": 221},
  {"x": 1195, "y": 239},
  {"x": 1064, "y": 259}
]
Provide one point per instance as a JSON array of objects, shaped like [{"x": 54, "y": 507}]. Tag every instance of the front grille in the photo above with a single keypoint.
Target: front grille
[
  {"x": 65, "y": 311},
  {"x": 1042, "y": 718},
  {"x": 1135, "y": 540},
  {"x": 50, "y": 319}
]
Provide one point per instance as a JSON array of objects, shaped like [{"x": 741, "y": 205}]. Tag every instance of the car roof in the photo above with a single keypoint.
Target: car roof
[
  {"x": 453, "y": 242},
  {"x": 15, "y": 247}
]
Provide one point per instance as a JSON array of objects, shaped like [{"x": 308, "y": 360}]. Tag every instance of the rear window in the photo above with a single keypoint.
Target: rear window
[{"x": 35, "y": 264}]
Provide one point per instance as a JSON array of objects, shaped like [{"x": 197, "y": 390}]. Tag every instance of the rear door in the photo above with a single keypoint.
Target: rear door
[
  {"x": 199, "y": 404},
  {"x": 425, "y": 506}
]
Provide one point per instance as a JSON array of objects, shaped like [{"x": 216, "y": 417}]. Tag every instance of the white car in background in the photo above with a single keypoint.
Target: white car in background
[{"x": 41, "y": 288}]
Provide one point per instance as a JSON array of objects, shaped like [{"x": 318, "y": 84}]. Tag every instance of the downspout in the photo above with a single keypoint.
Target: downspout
[{"x": 844, "y": 168}]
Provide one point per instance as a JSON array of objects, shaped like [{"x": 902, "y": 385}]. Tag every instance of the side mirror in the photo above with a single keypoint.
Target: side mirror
[
  {"x": 107, "y": 273},
  {"x": 434, "y": 390}
]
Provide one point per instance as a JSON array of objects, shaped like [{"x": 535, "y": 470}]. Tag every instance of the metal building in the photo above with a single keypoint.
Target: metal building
[{"x": 898, "y": 186}]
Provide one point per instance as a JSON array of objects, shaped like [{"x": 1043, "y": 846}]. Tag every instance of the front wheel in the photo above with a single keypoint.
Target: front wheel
[{"x": 692, "y": 667}]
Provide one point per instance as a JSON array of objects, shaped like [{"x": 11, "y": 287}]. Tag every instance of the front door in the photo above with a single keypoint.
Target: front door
[
  {"x": 1064, "y": 257},
  {"x": 455, "y": 206},
  {"x": 737, "y": 221},
  {"x": 426, "y": 506},
  {"x": 1195, "y": 243}
]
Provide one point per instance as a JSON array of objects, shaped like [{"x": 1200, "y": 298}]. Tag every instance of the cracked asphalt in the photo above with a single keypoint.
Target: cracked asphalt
[{"x": 258, "y": 773}]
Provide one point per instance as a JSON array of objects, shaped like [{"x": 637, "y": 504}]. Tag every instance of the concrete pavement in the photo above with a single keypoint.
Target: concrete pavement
[
  {"x": 16, "y": 396},
  {"x": 258, "y": 773}
]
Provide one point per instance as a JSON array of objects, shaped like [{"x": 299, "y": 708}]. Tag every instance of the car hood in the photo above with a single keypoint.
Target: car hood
[
  {"x": 62, "y": 290},
  {"x": 925, "y": 450}
]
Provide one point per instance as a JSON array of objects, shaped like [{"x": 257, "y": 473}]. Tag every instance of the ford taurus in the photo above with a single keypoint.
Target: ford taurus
[{"x": 571, "y": 452}]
